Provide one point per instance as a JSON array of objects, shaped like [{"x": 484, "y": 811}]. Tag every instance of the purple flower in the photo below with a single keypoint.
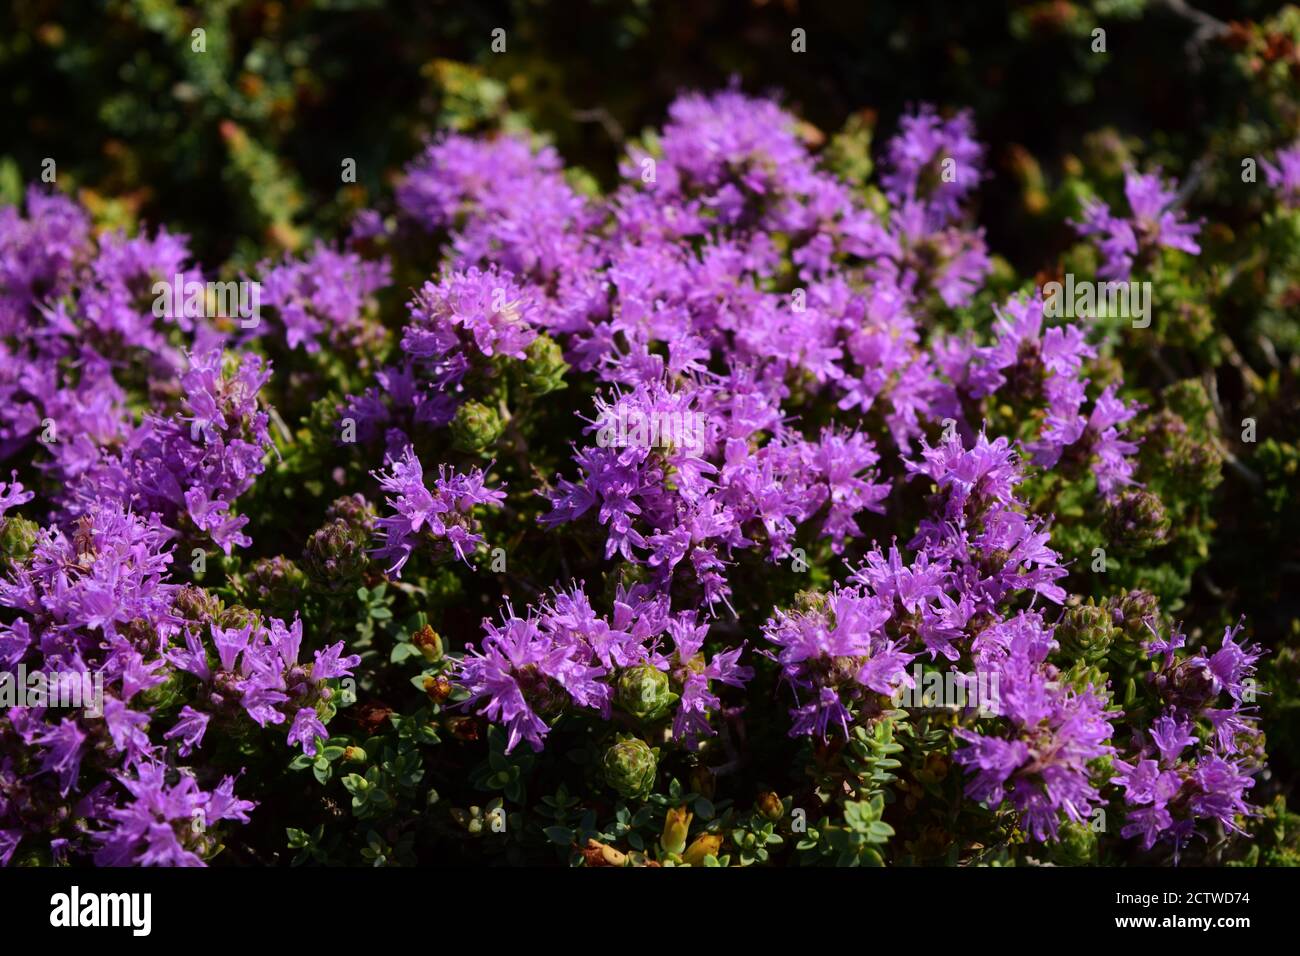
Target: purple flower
[
  {"x": 1155, "y": 222},
  {"x": 1284, "y": 174},
  {"x": 190, "y": 729},
  {"x": 522, "y": 675},
  {"x": 307, "y": 730},
  {"x": 325, "y": 293},
  {"x": 933, "y": 162},
  {"x": 835, "y": 655},
  {"x": 442, "y": 516},
  {"x": 12, "y": 494},
  {"x": 1040, "y": 764},
  {"x": 165, "y": 823},
  {"x": 497, "y": 315},
  {"x": 1175, "y": 779}
]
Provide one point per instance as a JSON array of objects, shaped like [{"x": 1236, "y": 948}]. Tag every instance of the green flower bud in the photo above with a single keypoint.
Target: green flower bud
[
  {"x": 1081, "y": 674},
  {"x": 316, "y": 437},
  {"x": 1191, "y": 402},
  {"x": 1137, "y": 521},
  {"x": 17, "y": 538},
  {"x": 335, "y": 555},
  {"x": 545, "y": 366},
  {"x": 1182, "y": 460},
  {"x": 1130, "y": 613},
  {"x": 644, "y": 692},
  {"x": 629, "y": 767},
  {"x": 237, "y": 616},
  {"x": 476, "y": 428},
  {"x": 276, "y": 584},
  {"x": 1077, "y": 845},
  {"x": 162, "y": 697},
  {"x": 1085, "y": 632}
]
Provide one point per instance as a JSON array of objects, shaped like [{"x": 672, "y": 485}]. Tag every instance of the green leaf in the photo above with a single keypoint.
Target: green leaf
[{"x": 561, "y": 836}]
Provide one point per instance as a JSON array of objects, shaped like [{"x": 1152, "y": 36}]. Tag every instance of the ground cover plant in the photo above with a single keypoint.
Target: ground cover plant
[{"x": 743, "y": 503}]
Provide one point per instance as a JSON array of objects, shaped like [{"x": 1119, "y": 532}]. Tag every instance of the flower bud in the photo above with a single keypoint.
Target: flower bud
[
  {"x": 706, "y": 844},
  {"x": 237, "y": 616},
  {"x": 1077, "y": 845},
  {"x": 596, "y": 853},
  {"x": 196, "y": 605},
  {"x": 1189, "y": 686},
  {"x": 770, "y": 805},
  {"x": 276, "y": 584},
  {"x": 629, "y": 767},
  {"x": 335, "y": 555},
  {"x": 1137, "y": 521},
  {"x": 544, "y": 367},
  {"x": 677, "y": 824},
  {"x": 644, "y": 692},
  {"x": 1085, "y": 632},
  {"x": 438, "y": 688},
  {"x": 1130, "y": 613},
  {"x": 355, "y": 510},
  {"x": 1191, "y": 465},
  {"x": 17, "y": 538},
  {"x": 1082, "y": 674},
  {"x": 429, "y": 643},
  {"x": 476, "y": 428},
  {"x": 354, "y": 755}
]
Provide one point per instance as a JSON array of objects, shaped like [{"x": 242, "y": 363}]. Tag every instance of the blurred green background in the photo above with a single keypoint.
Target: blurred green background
[{"x": 241, "y": 145}]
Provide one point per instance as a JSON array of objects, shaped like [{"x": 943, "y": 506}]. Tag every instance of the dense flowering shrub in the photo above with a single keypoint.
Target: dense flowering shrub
[{"x": 539, "y": 524}]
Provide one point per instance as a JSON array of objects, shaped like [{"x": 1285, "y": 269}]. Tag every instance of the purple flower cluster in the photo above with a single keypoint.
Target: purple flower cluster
[
  {"x": 562, "y": 654},
  {"x": 760, "y": 384},
  {"x": 257, "y": 671},
  {"x": 1037, "y": 365},
  {"x": 196, "y": 462},
  {"x": 726, "y": 283},
  {"x": 837, "y": 652},
  {"x": 89, "y": 338},
  {"x": 671, "y": 287},
  {"x": 1154, "y": 222},
  {"x": 456, "y": 325},
  {"x": 726, "y": 494},
  {"x": 82, "y": 338},
  {"x": 441, "y": 518},
  {"x": 1040, "y": 765},
  {"x": 324, "y": 294},
  {"x": 164, "y": 824},
  {"x": 96, "y": 604},
  {"x": 974, "y": 553},
  {"x": 1175, "y": 776}
]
